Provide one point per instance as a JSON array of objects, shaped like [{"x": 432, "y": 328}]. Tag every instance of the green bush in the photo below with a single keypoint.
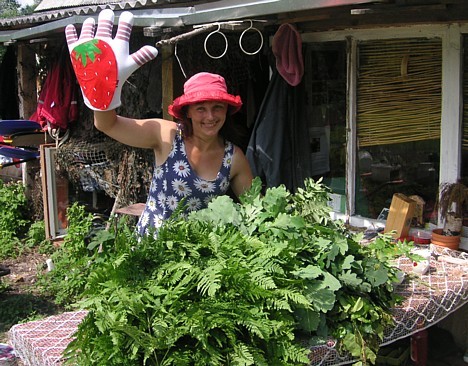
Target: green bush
[
  {"x": 14, "y": 220},
  {"x": 71, "y": 259}
]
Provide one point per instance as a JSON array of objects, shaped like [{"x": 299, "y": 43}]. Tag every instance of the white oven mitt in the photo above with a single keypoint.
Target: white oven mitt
[{"x": 102, "y": 64}]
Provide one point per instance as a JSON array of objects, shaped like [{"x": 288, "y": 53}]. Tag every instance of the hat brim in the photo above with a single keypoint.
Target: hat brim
[{"x": 175, "y": 109}]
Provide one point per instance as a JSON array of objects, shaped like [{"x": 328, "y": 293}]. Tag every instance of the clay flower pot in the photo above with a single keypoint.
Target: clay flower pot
[{"x": 451, "y": 242}]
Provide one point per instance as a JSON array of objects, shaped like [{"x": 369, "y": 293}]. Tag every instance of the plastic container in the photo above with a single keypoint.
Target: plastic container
[
  {"x": 422, "y": 237},
  {"x": 451, "y": 242}
]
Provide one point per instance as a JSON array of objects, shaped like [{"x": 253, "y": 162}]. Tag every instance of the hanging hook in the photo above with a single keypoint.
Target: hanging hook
[
  {"x": 225, "y": 40},
  {"x": 242, "y": 35}
]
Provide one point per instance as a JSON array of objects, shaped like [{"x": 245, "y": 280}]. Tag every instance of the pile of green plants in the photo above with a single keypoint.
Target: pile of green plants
[{"x": 255, "y": 283}]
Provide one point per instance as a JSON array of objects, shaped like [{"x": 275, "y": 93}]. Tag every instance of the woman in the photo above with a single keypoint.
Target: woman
[{"x": 193, "y": 161}]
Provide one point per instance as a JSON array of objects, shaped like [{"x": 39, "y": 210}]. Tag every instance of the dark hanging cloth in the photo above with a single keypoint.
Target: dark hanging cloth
[
  {"x": 9, "y": 105},
  {"x": 279, "y": 146},
  {"x": 57, "y": 106}
]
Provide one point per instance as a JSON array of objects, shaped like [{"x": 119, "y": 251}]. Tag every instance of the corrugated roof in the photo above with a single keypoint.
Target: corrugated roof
[
  {"x": 50, "y": 10},
  {"x": 54, "y": 4},
  {"x": 158, "y": 13},
  {"x": 45, "y": 5}
]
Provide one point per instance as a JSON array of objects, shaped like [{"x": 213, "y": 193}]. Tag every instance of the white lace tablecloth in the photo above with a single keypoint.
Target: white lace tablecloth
[
  {"x": 427, "y": 300},
  {"x": 42, "y": 342}
]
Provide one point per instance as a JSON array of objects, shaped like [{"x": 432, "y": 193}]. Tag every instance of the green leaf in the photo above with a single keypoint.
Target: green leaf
[
  {"x": 350, "y": 278},
  {"x": 87, "y": 50},
  {"x": 307, "y": 319},
  {"x": 308, "y": 273}
]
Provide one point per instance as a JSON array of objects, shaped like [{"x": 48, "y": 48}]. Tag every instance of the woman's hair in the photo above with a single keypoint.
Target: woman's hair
[{"x": 186, "y": 123}]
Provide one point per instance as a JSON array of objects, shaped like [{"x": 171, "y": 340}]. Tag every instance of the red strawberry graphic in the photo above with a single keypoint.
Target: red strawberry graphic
[{"x": 95, "y": 67}]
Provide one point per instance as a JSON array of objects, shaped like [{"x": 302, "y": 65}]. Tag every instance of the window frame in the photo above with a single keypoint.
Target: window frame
[{"x": 452, "y": 93}]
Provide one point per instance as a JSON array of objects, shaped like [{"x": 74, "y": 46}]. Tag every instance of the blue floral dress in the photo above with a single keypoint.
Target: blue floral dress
[{"x": 175, "y": 180}]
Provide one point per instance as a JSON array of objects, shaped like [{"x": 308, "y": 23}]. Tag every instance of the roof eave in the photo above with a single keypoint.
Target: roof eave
[
  {"x": 238, "y": 9},
  {"x": 183, "y": 16}
]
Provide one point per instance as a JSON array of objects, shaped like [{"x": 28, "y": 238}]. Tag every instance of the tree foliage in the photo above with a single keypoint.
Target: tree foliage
[{"x": 9, "y": 8}]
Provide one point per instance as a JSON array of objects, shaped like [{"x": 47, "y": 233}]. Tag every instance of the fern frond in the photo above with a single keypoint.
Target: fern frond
[
  {"x": 241, "y": 355},
  {"x": 257, "y": 327},
  {"x": 294, "y": 296},
  {"x": 278, "y": 304},
  {"x": 210, "y": 279}
]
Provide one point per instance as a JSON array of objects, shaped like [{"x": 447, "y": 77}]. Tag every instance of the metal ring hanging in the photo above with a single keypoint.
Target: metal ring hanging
[
  {"x": 242, "y": 35},
  {"x": 225, "y": 40}
]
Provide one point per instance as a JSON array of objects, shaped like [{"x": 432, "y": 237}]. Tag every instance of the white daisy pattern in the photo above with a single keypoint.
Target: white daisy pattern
[
  {"x": 174, "y": 180},
  {"x": 158, "y": 221},
  {"x": 224, "y": 184},
  {"x": 158, "y": 172},
  {"x": 144, "y": 219},
  {"x": 208, "y": 199},
  {"x": 172, "y": 202},
  {"x": 151, "y": 203},
  {"x": 161, "y": 198},
  {"x": 194, "y": 204},
  {"x": 174, "y": 150},
  {"x": 181, "y": 187},
  {"x": 204, "y": 185},
  {"x": 154, "y": 186},
  {"x": 182, "y": 168},
  {"x": 227, "y": 161}
]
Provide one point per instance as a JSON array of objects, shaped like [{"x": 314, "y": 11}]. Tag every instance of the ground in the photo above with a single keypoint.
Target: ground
[{"x": 20, "y": 299}]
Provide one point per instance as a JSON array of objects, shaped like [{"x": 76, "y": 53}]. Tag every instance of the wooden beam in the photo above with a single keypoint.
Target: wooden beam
[{"x": 27, "y": 88}]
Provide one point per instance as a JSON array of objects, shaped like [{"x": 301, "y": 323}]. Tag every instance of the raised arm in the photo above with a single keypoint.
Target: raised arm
[{"x": 152, "y": 133}]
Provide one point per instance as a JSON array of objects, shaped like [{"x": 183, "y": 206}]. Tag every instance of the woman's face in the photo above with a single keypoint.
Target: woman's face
[{"x": 207, "y": 117}]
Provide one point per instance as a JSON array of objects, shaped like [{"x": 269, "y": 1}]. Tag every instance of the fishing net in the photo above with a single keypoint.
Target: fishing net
[{"x": 102, "y": 164}]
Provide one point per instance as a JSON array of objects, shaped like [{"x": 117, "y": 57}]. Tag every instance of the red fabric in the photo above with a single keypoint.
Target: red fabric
[
  {"x": 57, "y": 105},
  {"x": 287, "y": 48}
]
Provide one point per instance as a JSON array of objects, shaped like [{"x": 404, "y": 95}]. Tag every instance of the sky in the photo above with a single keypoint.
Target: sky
[{"x": 25, "y": 2}]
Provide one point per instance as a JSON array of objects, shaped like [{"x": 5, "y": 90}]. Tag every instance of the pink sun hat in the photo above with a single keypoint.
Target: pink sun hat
[
  {"x": 287, "y": 48},
  {"x": 204, "y": 87}
]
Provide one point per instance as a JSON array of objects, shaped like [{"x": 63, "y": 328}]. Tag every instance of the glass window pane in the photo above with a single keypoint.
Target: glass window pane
[
  {"x": 326, "y": 99},
  {"x": 398, "y": 124}
]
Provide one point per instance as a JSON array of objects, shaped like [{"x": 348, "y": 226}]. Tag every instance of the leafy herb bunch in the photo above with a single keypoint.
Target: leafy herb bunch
[{"x": 237, "y": 284}]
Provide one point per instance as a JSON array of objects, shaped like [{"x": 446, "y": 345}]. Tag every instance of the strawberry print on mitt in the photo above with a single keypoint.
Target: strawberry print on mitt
[
  {"x": 89, "y": 59},
  {"x": 101, "y": 63}
]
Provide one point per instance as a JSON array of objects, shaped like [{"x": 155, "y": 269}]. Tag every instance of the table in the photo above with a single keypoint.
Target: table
[{"x": 427, "y": 300}]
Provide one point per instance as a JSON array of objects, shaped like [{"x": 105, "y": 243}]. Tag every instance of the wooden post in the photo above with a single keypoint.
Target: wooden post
[
  {"x": 167, "y": 79},
  {"x": 27, "y": 93},
  {"x": 27, "y": 88}
]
